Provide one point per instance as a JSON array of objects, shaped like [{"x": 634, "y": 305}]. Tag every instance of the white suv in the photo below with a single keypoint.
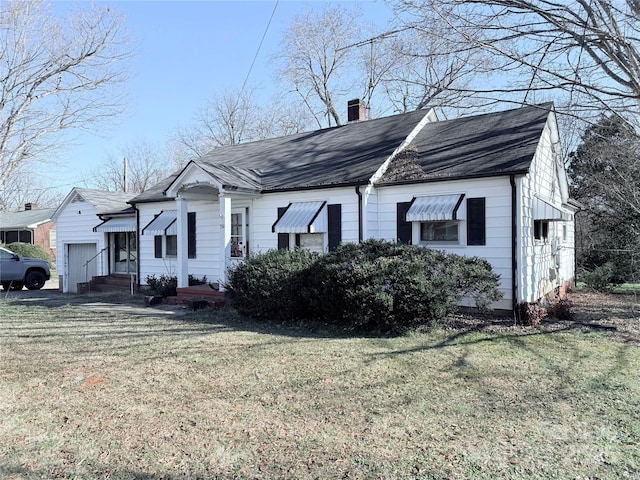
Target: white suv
[{"x": 17, "y": 271}]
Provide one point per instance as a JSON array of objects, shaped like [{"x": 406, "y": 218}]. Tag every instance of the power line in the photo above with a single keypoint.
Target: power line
[{"x": 244, "y": 84}]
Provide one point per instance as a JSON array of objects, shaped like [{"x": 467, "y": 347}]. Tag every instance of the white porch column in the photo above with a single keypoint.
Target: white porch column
[
  {"x": 182, "y": 269},
  {"x": 225, "y": 230}
]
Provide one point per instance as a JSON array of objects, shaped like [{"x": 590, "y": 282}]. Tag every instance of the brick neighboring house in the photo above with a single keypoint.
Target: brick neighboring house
[{"x": 31, "y": 225}]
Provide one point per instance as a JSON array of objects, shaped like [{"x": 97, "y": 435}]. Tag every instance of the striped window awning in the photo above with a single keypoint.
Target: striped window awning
[
  {"x": 545, "y": 211},
  {"x": 302, "y": 217},
  {"x": 435, "y": 207},
  {"x": 163, "y": 224},
  {"x": 115, "y": 225}
]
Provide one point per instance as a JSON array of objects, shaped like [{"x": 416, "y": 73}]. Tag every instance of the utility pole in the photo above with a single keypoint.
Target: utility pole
[{"x": 126, "y": 176}]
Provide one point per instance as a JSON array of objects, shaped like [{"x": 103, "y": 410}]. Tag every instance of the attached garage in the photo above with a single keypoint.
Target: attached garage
[{"x": 82, "y": 264}]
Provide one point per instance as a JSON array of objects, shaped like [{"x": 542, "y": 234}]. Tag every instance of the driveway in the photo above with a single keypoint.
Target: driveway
[{"x": 50, "y": 296}]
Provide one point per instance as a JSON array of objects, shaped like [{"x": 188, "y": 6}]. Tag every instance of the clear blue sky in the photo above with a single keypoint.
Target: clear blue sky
[{"x": 187, "y": 51}]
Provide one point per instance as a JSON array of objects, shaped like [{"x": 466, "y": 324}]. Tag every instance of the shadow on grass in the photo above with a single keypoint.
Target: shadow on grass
[
  {"x": 11, "y": 471},
  {"x": 95, "y": 311}
]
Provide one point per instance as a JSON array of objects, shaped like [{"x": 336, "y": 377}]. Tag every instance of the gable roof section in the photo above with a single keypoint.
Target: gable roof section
[
  {"x": 499, "y": 143},
  {"x": 25, "y": 218},
  {"x": 106, "y": 203}
]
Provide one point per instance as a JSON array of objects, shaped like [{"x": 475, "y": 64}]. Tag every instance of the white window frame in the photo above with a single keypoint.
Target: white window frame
[
  {"x": 422, "y": 241},
  {"x": 239, "y": 241},
  {"x": 166, "y": 247}
]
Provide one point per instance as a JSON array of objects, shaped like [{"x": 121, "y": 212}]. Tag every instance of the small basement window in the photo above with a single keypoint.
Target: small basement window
[
  {"x": 440, "y": 231},
  {"x": 541, "y": 229}
]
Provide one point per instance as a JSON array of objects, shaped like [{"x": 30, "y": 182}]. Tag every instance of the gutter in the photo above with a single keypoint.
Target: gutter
[
  {"x": 137, "y": 245},
  {"x": 514, "y": 244}
]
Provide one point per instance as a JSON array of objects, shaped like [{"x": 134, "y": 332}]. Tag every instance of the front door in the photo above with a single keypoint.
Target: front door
[{"x": 125, "y": 253}]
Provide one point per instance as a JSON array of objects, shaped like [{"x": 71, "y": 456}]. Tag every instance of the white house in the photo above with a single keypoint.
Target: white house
[{"x": 490, "y": 185}]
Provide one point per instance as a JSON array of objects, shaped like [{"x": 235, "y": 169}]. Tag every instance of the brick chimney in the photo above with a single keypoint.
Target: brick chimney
[
  {"x": 30, "y": 206},
  {"x": 357, "y": 110}
]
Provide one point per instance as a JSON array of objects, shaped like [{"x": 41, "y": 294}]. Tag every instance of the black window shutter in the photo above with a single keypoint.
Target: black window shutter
[
  {"x": 283, "y": 238},
  {"x": 157, "y": 246},
  {"x": 404, "y": 228},
  {"x": 334, "y": 218},
  {"x": 476, "y": 224},
  {"x": 191, "y": 234}
]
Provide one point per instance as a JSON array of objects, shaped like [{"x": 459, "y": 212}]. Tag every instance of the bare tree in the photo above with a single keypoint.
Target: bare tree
[
  {"x": 588, "y": 49},
  {"x": 26, "y": 186},
  {"x": 314, "y": 61},
  {"x": 233, "y": 117},
  {"x": 225, "y": 119},
  {"x": 56, "y": 74},
  {"x": 146, "y": 163},
  {"x": 426, "y": 70},
  {"x": 278, "y": 118}
]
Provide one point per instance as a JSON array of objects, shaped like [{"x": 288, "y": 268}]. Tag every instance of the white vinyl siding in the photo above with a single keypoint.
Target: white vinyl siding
[
  {"x": 208, "y": 261},
  {"x": 497, "y": 194},
  {"x": 544, "y": 264},
  {"x": 264, "y": 212}
]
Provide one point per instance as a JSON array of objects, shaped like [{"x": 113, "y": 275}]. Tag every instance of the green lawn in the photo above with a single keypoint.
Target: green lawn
[{"x": 92, "y": 391}]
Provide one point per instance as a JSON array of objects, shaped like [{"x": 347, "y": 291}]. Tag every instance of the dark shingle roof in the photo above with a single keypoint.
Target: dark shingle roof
[
  {"x": 499, "y": 143},
  {"x": 25, "y": 219},
  {"x": 491, "y": 144}
]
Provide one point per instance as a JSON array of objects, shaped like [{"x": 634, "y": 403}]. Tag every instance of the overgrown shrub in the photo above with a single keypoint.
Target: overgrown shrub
[
  {"x": 602, "y": 278},
  {"x": 29, "y": 250},
  {"x": 267, "y": 285},
  {"x": 529, "y": 314},
  {"x": 562, "y": 310},
  {"x": 162, "y": 286},
  {"x": 373, "y": 286}
]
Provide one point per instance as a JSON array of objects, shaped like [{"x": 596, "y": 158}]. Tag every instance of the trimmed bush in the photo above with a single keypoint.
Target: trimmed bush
[
  {"x": 374, "y": 286},
  {"x": 29, "y": 250},
  {"x": 390, "y": 288},
  {"x": 267, "y": 285}
]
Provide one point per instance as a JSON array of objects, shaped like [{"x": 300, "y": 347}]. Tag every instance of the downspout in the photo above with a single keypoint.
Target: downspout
[
  {"x": 514, "y": 244},
  {"x": 359, "y": 193},
  {"x": 137, "y": 245}
]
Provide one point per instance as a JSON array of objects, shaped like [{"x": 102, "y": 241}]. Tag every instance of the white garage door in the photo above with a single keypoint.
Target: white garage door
[{"x": 79, "y": 270}]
